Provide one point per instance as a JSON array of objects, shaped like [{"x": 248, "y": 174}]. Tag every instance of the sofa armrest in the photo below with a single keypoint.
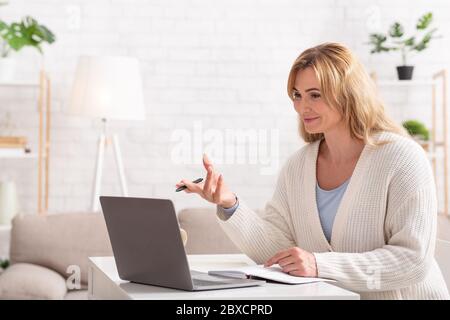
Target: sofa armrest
[{"x": 30, "y": 281}]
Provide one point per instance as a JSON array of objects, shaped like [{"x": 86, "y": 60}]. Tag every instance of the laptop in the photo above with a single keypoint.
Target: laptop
[{"x": 148, "y": 249}]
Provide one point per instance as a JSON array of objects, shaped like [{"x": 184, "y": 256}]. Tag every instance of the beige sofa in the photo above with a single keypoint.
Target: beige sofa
[
  {"x": 204, "y": 235},
  {"x": 45, "y": 251},
  {"x": 44, "y": 247}
]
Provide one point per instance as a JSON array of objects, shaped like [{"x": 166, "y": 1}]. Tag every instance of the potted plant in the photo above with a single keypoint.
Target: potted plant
[
  {"x": 4, "y": 264},
  {"x": 418, "y": 131},
  {"x": 398, "y": 41},
  {"x": 15, "y": 36}
]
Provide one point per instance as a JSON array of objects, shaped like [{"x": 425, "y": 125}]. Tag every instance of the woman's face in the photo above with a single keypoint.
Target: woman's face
[{"x": 316, "y": 115}]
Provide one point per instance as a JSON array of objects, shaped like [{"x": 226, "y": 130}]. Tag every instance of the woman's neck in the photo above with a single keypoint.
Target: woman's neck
[{"x": 340, "y": 147}]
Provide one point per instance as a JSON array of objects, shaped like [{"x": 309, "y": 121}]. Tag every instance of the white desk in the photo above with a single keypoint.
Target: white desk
[{"x": 104, "y": 283}]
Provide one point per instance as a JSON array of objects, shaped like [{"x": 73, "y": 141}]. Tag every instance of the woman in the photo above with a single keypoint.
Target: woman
[{"x": 357, "y": 204}]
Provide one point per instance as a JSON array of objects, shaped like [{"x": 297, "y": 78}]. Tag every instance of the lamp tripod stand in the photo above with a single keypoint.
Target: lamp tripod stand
[
  {"x": 107, "y": 87},
  {"x": 104, "y": 141}
]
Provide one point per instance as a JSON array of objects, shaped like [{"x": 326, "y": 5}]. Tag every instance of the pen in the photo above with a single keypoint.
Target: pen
[{"x": 184, "y": 187}]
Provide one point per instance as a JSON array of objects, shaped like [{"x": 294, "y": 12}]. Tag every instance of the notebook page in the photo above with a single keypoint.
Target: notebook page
[{"x": 273, "y": 273}]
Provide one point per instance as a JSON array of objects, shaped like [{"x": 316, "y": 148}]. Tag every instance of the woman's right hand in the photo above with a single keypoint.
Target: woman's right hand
[{"x": 213, "y": 189}]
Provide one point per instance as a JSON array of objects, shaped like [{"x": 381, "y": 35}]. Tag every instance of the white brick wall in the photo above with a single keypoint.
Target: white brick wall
[{"x": 223, "y": 64}]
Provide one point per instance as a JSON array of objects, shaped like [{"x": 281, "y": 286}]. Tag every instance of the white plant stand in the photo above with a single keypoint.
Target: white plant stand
[{"x": 439, "y": 119}]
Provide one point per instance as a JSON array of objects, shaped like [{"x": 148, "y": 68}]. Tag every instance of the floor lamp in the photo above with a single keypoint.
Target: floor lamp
[{"x": 107, "y": 88}]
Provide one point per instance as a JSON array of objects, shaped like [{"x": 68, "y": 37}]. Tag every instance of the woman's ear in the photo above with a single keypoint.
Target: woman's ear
[{"x": 183, "y": 236}]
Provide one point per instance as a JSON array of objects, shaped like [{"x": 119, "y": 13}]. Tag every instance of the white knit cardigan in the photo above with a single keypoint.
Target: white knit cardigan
[{"x": 383, "y": 236}]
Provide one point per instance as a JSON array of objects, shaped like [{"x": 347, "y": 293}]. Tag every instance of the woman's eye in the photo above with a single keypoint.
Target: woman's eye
[
  {"x": 296, "y": 95},
  {"x": 315, "y": 96}
]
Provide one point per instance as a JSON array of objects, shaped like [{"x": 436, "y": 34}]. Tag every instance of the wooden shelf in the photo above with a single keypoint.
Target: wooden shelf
[
  {"x": 440, "y": 117},
  {"x": 433, "y": 155},
  {"x": 405, "y": 83},
  {"x": 43, "y": 149},
  {"x": 20, "y": 156},
  {"x": 19, "y": 84}
]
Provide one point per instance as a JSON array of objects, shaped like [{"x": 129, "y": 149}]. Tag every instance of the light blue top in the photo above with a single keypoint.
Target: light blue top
[
  {"x": 328, "y": 203},
  {"x": 230, "y": 211}
]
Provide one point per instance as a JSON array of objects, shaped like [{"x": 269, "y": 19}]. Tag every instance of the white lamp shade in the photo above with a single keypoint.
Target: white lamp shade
[{"x": 108, "y": 87}]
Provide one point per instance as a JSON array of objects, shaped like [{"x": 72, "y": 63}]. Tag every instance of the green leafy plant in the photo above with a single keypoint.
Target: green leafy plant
[
  {"x": 27, "y": 32},
  {"x": 417, "y": 129},
  {"x": 4, "y": 264},
  {"x": 398, "y": 41}
]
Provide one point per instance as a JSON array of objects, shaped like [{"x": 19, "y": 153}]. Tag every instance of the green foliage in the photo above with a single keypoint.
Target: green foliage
[
  {"x": 417, "y": 128},
  {"x": 400, "y": 42},
  {"x": 424, "y": 21},
  {"x": 396, "y": 30},
  {"x": 379, "y": 42},
  {"x": 27, "y": 32},
  {"x": 4, "y": 264}
]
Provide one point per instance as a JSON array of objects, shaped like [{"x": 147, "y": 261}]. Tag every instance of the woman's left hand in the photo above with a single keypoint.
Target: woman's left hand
[{"x": 295, "y": 261}]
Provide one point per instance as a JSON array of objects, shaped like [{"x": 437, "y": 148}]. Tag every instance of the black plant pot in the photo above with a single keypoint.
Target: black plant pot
[{"x": 405, "y": 72}]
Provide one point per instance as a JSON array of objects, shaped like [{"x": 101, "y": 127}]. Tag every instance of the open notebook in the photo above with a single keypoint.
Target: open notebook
[{"x": 273, "y": 273}]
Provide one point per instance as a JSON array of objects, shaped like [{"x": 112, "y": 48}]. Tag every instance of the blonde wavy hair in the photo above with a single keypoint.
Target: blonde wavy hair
[{"x": 346, "y": 86}]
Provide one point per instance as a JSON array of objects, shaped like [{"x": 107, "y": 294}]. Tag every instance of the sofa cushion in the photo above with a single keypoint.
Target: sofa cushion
[
  {"x": 28, "y": 281},
  {"x": 204, "y": 234},
  {"x": 58, "y": 241}
]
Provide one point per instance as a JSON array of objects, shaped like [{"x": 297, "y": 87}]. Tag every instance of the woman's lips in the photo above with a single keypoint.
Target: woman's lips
[{"x": 309, "y": 119}]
